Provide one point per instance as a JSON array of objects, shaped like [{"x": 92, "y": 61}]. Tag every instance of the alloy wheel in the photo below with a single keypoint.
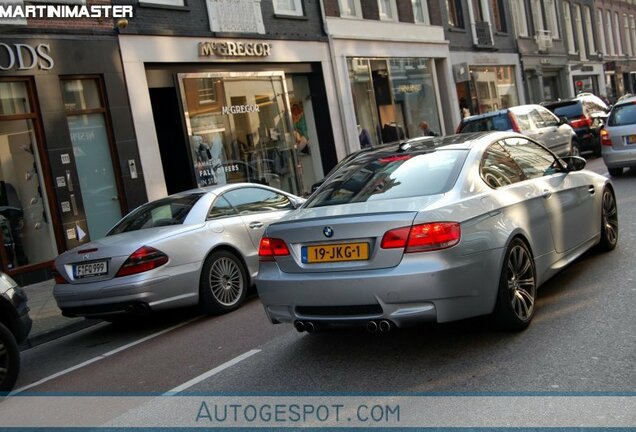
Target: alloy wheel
[
  {"x": 610, "y": 217},
  {"x": 226, "y": 281},
  {"x": 521, "y": 282}
]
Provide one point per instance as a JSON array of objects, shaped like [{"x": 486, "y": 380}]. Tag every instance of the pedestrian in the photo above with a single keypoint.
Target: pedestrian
[
  {"x": 426, "y": 131},
  {"x": 365, "y": 137}
]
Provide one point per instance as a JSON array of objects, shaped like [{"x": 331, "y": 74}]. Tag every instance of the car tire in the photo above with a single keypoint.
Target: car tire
[
  {"x": 615, "y": 172},
  {"x": 9, "y": 359},
  {"x": 517, "y": 290},
  {"x": 223, "y": 285},
  {"x": 609, "y": 221}
]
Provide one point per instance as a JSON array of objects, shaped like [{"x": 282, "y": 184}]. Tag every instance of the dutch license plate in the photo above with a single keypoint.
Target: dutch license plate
[
  {"x": 631, "y": 139},
  {"x": 335, "y": 252},
  {"x": 95, "y": 268}
]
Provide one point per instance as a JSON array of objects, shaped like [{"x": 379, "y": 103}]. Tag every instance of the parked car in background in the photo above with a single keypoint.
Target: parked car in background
[
  {"x": 586, "y": 114},
  {"x": 443, "y": 230},
  {"x": 533, "y": 121},
  {"x": 618, "y": 137},
  {"x": 194, "y": 247},
  {"x": 15, "y": 325}
]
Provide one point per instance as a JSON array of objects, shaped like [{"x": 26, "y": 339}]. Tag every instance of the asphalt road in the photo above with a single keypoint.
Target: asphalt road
[{"x": 582, "y": 339}]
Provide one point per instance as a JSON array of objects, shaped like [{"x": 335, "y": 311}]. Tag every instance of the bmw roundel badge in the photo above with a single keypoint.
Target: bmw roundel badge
[{"x": 327, "y": 231}]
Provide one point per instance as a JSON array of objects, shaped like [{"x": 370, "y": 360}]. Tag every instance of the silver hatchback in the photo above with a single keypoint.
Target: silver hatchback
[{"x": 618, "y": 137}]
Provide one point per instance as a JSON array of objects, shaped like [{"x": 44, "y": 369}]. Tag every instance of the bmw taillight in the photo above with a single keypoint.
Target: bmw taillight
[
  {"x": 423, "y": 237},
  {"x": 605, "y": 138},
  {"x": 143, "y": 259},
  {"x": 270, "y": 248}
]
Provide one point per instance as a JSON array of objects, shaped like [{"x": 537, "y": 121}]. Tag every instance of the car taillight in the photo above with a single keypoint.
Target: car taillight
[
  {"x": 582, "y": 121},
  {"x": 513, "y": 122},
  {"x": 59, "y": 279},
  {"x": 605, "y": 138},
  {"x": 423, "y": 237},
  {"x": 270, "y": 248},
  {"x": 143, "y": 259}
]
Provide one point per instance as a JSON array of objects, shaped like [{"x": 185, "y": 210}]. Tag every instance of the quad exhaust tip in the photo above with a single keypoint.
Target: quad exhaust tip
[
  {"x": 307, "y": 326},
  {"x": 383, "y": 326},
  {"x": 372, "y": 327},
  {"x": 300, "y": 326}
]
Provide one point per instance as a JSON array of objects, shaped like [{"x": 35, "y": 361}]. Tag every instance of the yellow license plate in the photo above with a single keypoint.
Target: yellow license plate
[
  {"x": 631, "y": 139},
  {"x": 335, "y": 252}
]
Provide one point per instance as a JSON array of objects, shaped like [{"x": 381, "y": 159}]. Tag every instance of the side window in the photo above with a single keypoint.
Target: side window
[
  {"x": 523, "y": 121},
  {"x": 548, "y": 118},
  {"x": 537, "y": 119},
  {"x": 257, "y": 200},
  {"x": 498, "y": 169},
  {"x": 534, "y": 160},
  {"x": 221, "y": 208}
]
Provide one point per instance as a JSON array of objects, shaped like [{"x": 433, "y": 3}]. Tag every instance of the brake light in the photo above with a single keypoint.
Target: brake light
[
  {"x": 605, "y": 138},
  {"x": 582, "y": 121},
  {"x": 59, "y": 279},
  {"x": 423, "y": 237},
  {"x": 513, "y": 122},
  {"x": 270, "y": 248},
  {"x": 143, "y": 259}
]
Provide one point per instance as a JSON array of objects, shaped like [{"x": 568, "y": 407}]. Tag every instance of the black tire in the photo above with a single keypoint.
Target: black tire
[
  {"x": 517, "y": 291},
  {"x": 223, "y": 284},
  {"x": 615, "y": 172},
  {"x": 609, "y": 221},
  {"x": 9, "y": 359}
]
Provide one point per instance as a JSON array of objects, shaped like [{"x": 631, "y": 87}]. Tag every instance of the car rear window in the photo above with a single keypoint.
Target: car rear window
[
  {"x": 163, "y": 212},
  {"x": 623, "y": 115},
  {"x": 569, "y": 110},
  {"x": 499, "y": 122},
  {"x": 384, "y": 176}
]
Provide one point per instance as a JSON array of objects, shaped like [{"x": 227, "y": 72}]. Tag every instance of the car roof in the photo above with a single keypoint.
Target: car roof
[
  {"x": 626, "y": 101},
  {"x": 518, "y": 109},
  {"x": 218, "y": 189}
]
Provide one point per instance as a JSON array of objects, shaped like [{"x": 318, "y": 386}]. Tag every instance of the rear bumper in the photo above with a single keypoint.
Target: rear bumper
[
  {"x": 421, "y": 288},
  {"x": 129, "y": 295},
  {"x": 619, "y": 158}
]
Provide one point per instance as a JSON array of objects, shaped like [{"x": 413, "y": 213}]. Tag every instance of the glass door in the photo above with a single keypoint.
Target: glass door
[{"x": 240, "y": 129}]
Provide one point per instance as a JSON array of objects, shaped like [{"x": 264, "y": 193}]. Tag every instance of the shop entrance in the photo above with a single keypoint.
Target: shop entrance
[{"x": 240, "y": 128}]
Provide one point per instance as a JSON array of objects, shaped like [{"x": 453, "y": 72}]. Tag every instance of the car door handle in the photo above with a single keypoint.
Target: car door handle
[
  {"x": 256, "y": 225},
  {"x": 546, "y": 193},
  {"x": 591, "y": 189}
]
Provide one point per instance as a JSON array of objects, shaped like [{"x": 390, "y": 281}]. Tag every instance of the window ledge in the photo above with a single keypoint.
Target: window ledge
[
  {"x": 456, "y": 29},
  {"x": 502, "y": 33},
  {"x": 165, "y": 7},
  {"x": 293, "y": 17}
]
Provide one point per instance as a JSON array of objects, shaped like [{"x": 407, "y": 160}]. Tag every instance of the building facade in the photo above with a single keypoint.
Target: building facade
[
  {"x": 391, "y": 67},
  {"x": 225, "y": 91},
  {"x": 486, "y": 67},
  {"x": 69, "y": 166}
]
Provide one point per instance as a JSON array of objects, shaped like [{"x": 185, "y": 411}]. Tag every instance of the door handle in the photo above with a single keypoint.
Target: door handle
[
  {"x": 546, "y": 193},
  {"x": 591, "y": 189},
  {"x": 256, "y": 225}
]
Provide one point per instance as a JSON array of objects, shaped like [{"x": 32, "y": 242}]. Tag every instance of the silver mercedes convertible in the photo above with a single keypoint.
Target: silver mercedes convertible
[{"x": 437, "y": 230}]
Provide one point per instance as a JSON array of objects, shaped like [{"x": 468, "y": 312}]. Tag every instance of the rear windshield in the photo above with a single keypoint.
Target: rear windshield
[
  {"x": 163, "y": 212},
  {"x": 384, "y": 176},
  {"x": 499, "y": 122},
  {"x": 570, "y": 110},
  {"x": 623, "y": 115}
]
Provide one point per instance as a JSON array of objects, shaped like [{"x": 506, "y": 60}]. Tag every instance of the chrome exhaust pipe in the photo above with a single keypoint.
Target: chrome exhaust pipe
[
  {"x": 372, "y": 327},
  {"x": 385, "y": 326},
  {"x": 309, "y": 326},
  {"x": 300, "y": 326}
]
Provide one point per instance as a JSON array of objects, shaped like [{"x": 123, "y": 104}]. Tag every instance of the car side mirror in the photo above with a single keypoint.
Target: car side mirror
[{"x": 574, "y": 163}]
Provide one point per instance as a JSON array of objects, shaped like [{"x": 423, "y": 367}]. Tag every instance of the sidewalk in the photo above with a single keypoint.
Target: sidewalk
[{"x": 48, "y": 322}]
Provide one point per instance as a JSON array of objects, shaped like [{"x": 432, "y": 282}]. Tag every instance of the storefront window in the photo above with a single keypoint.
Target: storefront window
[
  {"x": 392, "y": 97},
  {"x": 25, "y": 221},
  {"x": 91, "y": 147},
  {"x": 242, "y": 127},
  {"x": 493, "y": 88}
]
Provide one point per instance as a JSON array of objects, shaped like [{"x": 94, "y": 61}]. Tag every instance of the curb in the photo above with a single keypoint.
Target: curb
[{"x": 49, "y": 335}]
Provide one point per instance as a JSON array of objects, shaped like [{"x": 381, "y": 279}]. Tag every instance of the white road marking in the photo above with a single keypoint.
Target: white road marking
[
  {"x": 211, "y": 372},
  {"x": 101, "y": 357}
]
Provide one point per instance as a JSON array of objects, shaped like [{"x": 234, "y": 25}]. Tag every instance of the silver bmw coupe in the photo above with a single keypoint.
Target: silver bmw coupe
[
  {"x": 437, "y": 230},
  {"x": 194, "y": 247}
]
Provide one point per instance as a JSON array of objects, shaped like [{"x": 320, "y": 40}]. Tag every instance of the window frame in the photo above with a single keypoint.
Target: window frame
[
  {"x": 530, "y": 143},
  {"x": 238, "y": 207},
  {"x": 163, "y": 3},
  {"x": 214, "y": 203},
  {"x": 394, "y": 12},
  {"x": 589, "y": 32},
  {"x": 423, "y": 4},
  {"x": 552, "y": 18},
  {"x": 569, "y": 28},
  {"x": 455, "y": 11},
  {"x": 511, "y": 163},
  {"x": 519, "y": 16},
  {"x": 601, "y": 31},
  {"x": 299, "y": 10},
  {"x": 357, "y": 12},
  {"x": 498, "y": 11}
]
